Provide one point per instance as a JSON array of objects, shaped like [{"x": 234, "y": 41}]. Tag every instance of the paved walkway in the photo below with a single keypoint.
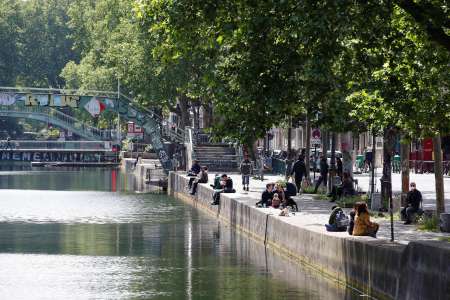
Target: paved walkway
[
  {"x": 425, "y": 184},
  {"x": 315, "y": 213}
]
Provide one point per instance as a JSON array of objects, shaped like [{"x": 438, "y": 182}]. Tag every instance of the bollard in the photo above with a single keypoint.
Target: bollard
[
  {"x": 375, "y": 202},
  {"x": 445, "y": 222}
]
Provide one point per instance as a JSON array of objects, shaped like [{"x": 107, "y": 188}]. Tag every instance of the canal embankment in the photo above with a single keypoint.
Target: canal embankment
[{"x": 378, "y": 267}]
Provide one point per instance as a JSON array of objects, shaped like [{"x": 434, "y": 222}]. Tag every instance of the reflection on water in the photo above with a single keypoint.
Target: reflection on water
[
  {"x": 70, "y": 179},
  {"x": 103, "y": 245}
]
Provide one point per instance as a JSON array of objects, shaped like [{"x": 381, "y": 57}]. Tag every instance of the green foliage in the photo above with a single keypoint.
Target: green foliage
[
  {"x": 429, "y": 223},
  {"x": 347, "y": 65},
  {"x": 349, "y": 201},
  {"x": 35, "y": 47}
]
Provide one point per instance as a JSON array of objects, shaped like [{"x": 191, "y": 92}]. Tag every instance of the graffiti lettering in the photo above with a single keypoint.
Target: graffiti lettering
[{"x": 52, "y": 100}]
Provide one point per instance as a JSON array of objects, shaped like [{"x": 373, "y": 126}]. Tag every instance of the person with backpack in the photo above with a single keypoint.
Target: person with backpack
[
  {"x": 246, "y": 169},
  {"x": 338, "y": 221}
]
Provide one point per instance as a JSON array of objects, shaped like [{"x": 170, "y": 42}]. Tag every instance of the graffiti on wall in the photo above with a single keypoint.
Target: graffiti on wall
[{"x": 50, "y": 156}]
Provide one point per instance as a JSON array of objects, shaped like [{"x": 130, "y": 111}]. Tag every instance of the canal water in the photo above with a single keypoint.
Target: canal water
[{"x": 87, "y": 234}]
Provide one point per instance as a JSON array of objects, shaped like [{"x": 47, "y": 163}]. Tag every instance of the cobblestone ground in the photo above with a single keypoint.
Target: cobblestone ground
[{"x": 314, "y": 213}]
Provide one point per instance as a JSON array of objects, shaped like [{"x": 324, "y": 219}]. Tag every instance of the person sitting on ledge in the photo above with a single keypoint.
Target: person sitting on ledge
[
  {"x": 345, "y": 189},
  {"x": 291, "y": 191},
  {"x": 352, "y": 214},
  {"x": 413, "y": 201},
  {"x": 280, "y": 192},
  {"x": 193, "y": 172},
  {"x": 276, "y": 202},
  {"x": 226, "y": 184},
  {"x": 363, "y": 226},
  {"x": 201, "y": 178},
  {"x": 266, "y": 197},
  {"x": 216, "y": 184},
  {"x": 195, "y": 169},
  {"x": 338, "y": 220}
]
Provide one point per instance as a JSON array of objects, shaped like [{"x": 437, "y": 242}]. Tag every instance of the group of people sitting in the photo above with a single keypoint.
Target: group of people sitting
[
  {"x": 198, "y": 174},
  {"x": 277, "y": 196},
  {"x": 358, "y": 224}
]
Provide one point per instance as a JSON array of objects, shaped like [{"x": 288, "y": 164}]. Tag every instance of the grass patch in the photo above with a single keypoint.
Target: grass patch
[
  {"x": 444, "y": 239},
  {"x": 322, "y": 196},
  {"x": 386, "y": 216},
  {"x": 310, "y": 190},
  {"x": 429, "y": 223},
  {"x": 349, "y": 201}
]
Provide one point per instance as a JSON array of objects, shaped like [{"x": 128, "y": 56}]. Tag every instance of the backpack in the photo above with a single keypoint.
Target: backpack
[
  {"x": 291, "y": 189},
  {"x": 342, "y": 221}
]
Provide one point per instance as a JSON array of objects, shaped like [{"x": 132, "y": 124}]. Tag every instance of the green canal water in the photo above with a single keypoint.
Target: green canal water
[{"x": 87, "y": 234}]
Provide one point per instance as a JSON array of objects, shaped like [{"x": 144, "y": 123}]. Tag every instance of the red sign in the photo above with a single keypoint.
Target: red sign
[{"x": 315, "y": 133}]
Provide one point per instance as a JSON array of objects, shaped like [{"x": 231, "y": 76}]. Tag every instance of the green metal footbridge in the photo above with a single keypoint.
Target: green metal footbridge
[{"x": 47, "y": 105}]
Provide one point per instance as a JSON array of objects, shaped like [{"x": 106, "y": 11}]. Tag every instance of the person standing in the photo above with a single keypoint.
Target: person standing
[
  {"x": 246, "y": 170},
  {"x": 299, "y": 169},
  {"x": 289, "y": 163},
  {"x": 413, "y": 201},
  {"x": 323, "y": 173}
]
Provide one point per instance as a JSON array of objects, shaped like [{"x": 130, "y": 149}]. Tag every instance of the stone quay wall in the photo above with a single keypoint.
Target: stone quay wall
[{"x": 385, "y": 270}]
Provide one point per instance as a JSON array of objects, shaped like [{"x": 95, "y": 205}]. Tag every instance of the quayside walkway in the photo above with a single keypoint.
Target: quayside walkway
[{"x": 314, "y": 213}]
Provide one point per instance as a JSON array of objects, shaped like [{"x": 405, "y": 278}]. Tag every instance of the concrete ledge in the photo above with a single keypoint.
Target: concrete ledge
[{"x": 419, "y": 270}]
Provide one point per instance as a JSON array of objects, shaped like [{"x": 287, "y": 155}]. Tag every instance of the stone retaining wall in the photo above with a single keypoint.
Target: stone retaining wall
[{"x": 419, "y": 270}]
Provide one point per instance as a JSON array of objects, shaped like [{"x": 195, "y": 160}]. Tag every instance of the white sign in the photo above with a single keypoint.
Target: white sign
[{"x": 315, "y": 141}]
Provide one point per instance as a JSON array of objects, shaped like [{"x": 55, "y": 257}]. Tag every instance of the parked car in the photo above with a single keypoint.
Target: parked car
[{"x": 316, "y": 158}]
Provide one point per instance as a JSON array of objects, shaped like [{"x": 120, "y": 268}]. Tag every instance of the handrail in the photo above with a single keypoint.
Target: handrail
[{"x": 51, "y": 112}]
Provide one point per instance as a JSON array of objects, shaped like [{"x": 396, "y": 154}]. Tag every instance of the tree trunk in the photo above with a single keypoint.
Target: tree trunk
[
  {"x": 372, "y": 171},
  {"x": 404, "y": 154},
  {"x": 289, "y": 138},
  {"x": 438, "y": 175},
  {"x": 196, "y": 111},
  {"x": 325, "y": 141},
  {"x": 332, "y": 172},
  {"x": 347, "y": 160},
  {"x": 207, "y": 115},
  {"x": 325, "y": 147},
  {"x": 308, "y": 148},
  {"x": 184, "y": 111},
  {"x": 386, "y": 179}
]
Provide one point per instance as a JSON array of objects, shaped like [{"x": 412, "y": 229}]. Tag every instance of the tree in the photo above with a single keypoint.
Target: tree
[{"x": 10, "y": 23}]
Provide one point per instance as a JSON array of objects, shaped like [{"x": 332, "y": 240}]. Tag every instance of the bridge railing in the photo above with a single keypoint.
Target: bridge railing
[
  {"x": 62, "y": 117},
  {"x": 63, "y": 145},
  {"x": 168, "y": 129}
]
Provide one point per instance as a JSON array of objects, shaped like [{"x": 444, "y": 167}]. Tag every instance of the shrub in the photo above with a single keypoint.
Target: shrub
[{"x": 429, "y": 223}]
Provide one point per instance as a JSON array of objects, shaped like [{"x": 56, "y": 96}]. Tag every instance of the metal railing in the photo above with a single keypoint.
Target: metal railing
[{"x": 70, "y": 122}]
